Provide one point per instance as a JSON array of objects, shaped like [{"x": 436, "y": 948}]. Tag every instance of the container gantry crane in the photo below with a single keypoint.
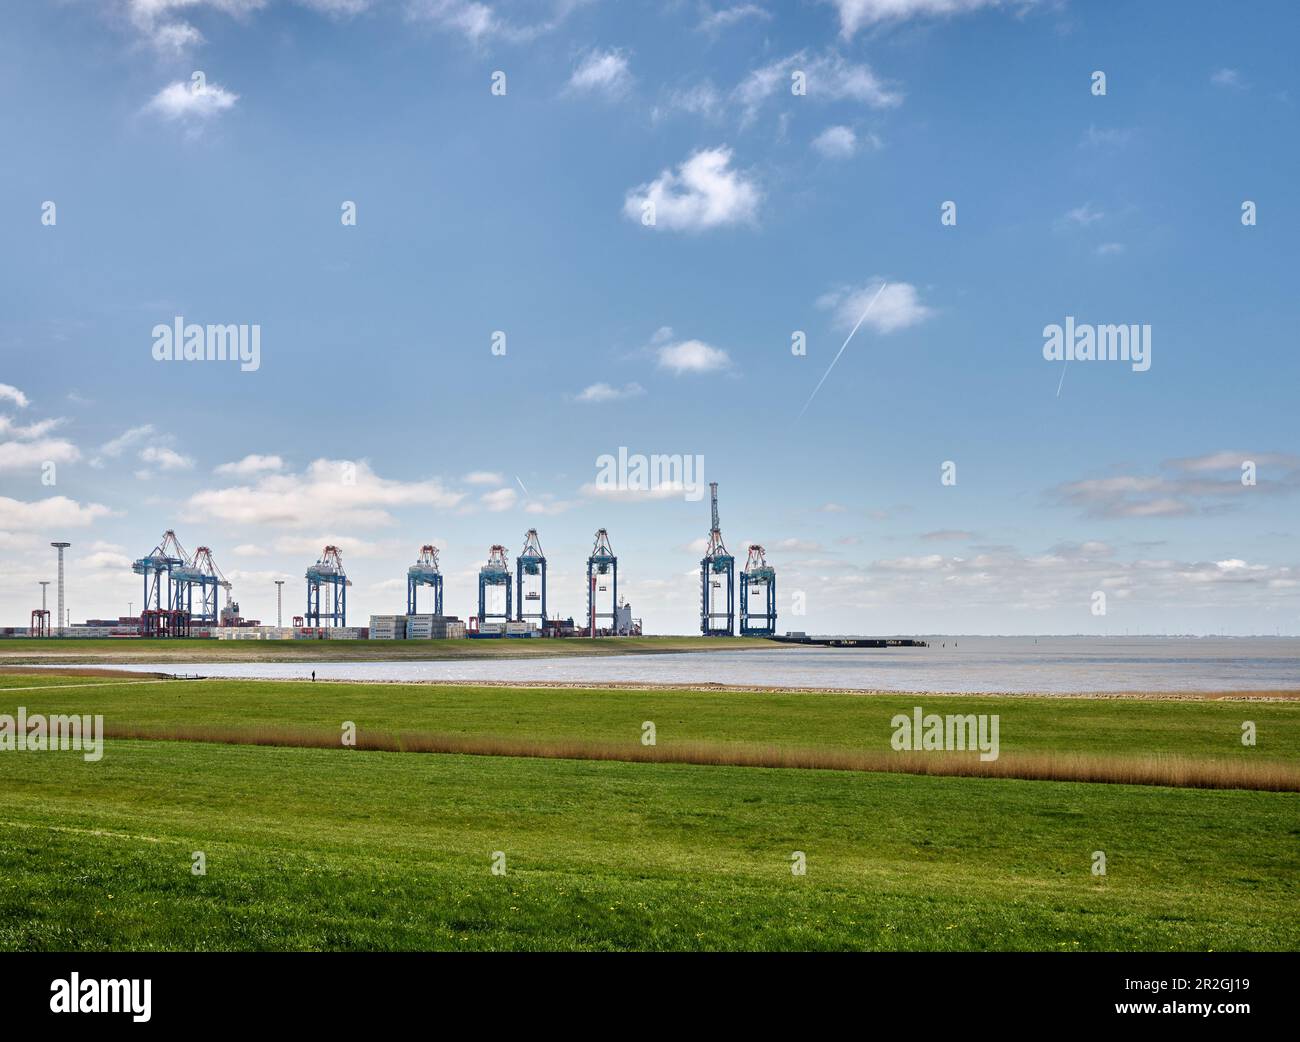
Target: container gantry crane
[
  {"x": 328, "y": 572},
  {"x": 602, "y": 577},
  {"x": 201, "y": 571},
  {"x": 161, "y": 614},
  {"x": 425, "y": 572},
  {"x": 717, "y": 608},
  {"x": 495, "y": 573},
  {"x": 758, "y": 580},
  {"x": 531, "y": 562}
]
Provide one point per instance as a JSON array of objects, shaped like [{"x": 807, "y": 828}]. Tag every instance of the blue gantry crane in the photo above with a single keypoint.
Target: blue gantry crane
[
  {"x": 200, "y": 571},
  {"x": 327, "y": 577},
  {"x": 160, "y": 613},
  {"x": 495, "y": 573},
  {"x": 425, "y": 572},
  {"x": 602, "y": 577},
  {"x": 717, "y": 570},
  {"x": 757, "y": 581},
  {"x": 530, "y": 604}
]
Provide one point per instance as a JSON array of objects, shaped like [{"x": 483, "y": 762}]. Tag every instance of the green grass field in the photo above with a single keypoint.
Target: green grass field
[
  {"x": 337, "y": 848},
  {"x": 79, "y": 650},
  {"x": 823, "y": 720}
]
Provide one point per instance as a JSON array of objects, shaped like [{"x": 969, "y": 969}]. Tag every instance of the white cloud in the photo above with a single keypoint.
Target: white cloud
[
  {"x": 105, "y": 560},
  {"x": 29, "y": 447},
  {"x": 798, "y": 545},
  {"x": 1110, "y": 249},
  {"x": 500, "y": 499},
  {"x": 692, "y": 356},
  {"x": 155, "y": 18},
  {"x": 125, "y": 440},
  {"x": 864, "y": 14},
  {"x": 1189, "y": 487},
  {"x": 170, "y": 36},
  {"x": 175, "y": 39},
  {"x": 548, "y": 505},
  {"x": 699, "y": 99},
  {"x": 38, "y": 429},
  {"x": 898, "y": 306},
  {"x": 19, "y": 455},
  {"x": 916, "y": 563},
  {"x": 484, "y": 477},
  {"x": 1226, "y": 78},
  {"x": 479, "y": 22},
  {"x": 602, "y": 72},
  {"x": 346, "y": 491},
  {"x": 837, "y": 142},
  {"x": 829, "y": 78},
  {"x": 51, "y": 513},
  {"x": 128, "y": 438},
  {"x": 1001, "y": 588},
  {"x": 9, "y": 393},
  {"x": 1083, "y": 215},
  {"x": 660, "y": 490},
  {"x": 474, "y": 20},
  {"x": 159, "y": 23},
  {"x": 764, "y": 82},
  {"x": 338, "y": 7},
  {"x": 1232, "y": 459},
  {"x": 249, "y": 550},
  {"x": 726, "y": 17},
  {"x": 603, "y": 392},
  {"x": 165, "y": 459},
  {"x": 704, "y": 192},
  {"x": 349, "y": 546},
  {"x": 181, "y": 101},
  {"x": 251, "y": 464},
  {"x": 945, "y": 535},
  {"x": 1106, "y": 137}
]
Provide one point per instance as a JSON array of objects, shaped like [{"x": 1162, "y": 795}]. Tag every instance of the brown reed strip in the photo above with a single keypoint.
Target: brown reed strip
[{"x": 1178, "y": 771}]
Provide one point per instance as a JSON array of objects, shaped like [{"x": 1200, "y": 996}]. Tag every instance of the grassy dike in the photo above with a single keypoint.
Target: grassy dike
[
  {"x": 1104, "y": 726},
  {"x": 336, "y": 848}
]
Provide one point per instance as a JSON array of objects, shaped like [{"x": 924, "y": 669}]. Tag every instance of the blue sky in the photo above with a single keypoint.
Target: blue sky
[{"x": 774, "y": 213}]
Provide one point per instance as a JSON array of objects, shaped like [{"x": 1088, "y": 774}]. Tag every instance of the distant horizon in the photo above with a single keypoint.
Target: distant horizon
[
  {"x": 980, "y": 314},
  {"x": 915, "y": 635}
]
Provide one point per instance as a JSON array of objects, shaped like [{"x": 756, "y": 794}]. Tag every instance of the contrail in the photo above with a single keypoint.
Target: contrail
[
  {"x": 521, "y": 485},
  {"x": 1062, "y": 380},
  {"x": 841, "y": 350}
]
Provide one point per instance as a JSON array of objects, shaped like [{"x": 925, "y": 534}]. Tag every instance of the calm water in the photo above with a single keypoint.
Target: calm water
[{"x": 971, "y": 664}]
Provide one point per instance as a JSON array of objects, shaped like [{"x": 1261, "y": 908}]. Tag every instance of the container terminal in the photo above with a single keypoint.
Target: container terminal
[{"x": 180, "y": 594}]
